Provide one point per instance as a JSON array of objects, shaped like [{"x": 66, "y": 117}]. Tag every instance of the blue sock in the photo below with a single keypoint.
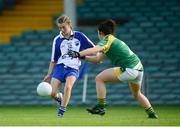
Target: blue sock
[
  {"x": 59, "y": 100},
  {"x": 61, "y": 110}
]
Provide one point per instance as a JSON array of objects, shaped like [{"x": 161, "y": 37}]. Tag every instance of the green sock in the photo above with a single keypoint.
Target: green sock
[
  {"x": 149, "y": 110},
  {"x": 102, "y": 102}
]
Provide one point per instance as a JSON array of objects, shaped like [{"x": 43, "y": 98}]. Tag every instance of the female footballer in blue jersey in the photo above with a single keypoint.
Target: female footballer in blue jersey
[{"x": 63, "y": 68}]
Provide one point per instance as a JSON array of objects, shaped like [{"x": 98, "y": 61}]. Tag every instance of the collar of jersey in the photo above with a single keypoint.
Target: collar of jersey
[
  {"x": 71, "y": 36},
  {"x": 106, "y": 37}
]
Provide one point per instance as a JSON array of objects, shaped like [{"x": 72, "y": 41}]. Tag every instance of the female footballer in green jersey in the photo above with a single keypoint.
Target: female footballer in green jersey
[{"x": 128, "y": 67}]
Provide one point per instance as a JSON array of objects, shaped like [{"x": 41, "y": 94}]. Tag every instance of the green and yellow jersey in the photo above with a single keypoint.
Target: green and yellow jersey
[{"x": 119, "y": 53}]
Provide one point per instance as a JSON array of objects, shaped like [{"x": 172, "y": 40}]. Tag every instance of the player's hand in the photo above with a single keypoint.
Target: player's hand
[
  {"x": 47, "y": 78},
  {"x": 73, "y": 54}
]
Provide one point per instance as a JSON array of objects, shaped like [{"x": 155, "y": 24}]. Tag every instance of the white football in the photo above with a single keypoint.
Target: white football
[{"x": 44, "y": 89}]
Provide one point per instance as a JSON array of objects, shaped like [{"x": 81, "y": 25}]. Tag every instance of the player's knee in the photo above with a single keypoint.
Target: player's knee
[
  {"x": 98, "y": 78},
  {"x": 136, "y": 94},
  {"x": 67, "y": 88}
]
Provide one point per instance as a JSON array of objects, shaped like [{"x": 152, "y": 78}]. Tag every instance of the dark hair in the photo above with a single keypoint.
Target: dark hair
[{"x": 107, "y": 27}]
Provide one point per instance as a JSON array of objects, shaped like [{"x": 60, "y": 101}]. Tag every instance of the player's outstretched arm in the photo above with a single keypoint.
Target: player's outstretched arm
[
  {"x": 96, "y": 59},
  {"x": 84, "y": 54},
  {"x": 90, "y": 51}
]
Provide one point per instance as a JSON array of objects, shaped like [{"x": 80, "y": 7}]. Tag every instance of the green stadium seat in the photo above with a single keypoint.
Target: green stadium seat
[
  {"x": 174, "y": 74},
  {"x": 34, "y": 70},
  {"x": 47, "y": 36},
  {"x": 9, "y": 49},
  {"x": 152, "y": 69},
  {"x": 14, "y": 56},
  {"x": 19, "y": 70},
  {"x": 32, "y": 37},
  {"x": 45, "y": 56},
  {"x": 22, "y": 63},
  {"x": 158, "y": 102},
  {"x": 1, "y": 5},
  {"x": 168, "y": 98},
  {"x": 29, "y": 32},
  {"x": 176, "y": 91},
  {"x": 169, "y": 69},
  {"x": 6, "y": 63}
]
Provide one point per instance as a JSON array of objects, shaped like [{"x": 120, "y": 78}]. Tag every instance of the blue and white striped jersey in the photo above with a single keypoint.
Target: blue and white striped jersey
[{"x": 77, "y": 42}]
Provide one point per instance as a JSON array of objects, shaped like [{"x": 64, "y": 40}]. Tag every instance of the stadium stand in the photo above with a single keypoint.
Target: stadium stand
[
  {"x": 152, "y": 31},
  {"x": 1, "y": 5},
  {"x": 6, "y": 4},
  {"x": 27, "y": 15}
]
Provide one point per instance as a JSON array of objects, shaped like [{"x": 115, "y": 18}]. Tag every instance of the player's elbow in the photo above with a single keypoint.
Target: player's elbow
[
  {"x": 98, "y": 61},
  {"x": 53, "y": 62}
]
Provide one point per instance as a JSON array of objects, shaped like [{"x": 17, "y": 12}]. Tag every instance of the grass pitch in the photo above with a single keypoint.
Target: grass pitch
[{"x": 77, "y": 116}]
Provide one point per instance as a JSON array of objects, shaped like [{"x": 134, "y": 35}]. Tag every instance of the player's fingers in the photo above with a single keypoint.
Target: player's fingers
[{"x": 46, "y": 79}]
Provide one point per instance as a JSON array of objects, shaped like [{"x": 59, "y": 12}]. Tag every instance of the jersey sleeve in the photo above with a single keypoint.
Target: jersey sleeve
[
  {"x": 101, "y": 43},
  {"x": 106, "y": 43},
  {"x": 56, "y": 53},
  {"x": 85, "y": 42}
]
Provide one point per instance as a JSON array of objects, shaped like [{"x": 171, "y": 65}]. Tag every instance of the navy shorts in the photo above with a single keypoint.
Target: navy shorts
[{"x": 61, "y": 72}]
